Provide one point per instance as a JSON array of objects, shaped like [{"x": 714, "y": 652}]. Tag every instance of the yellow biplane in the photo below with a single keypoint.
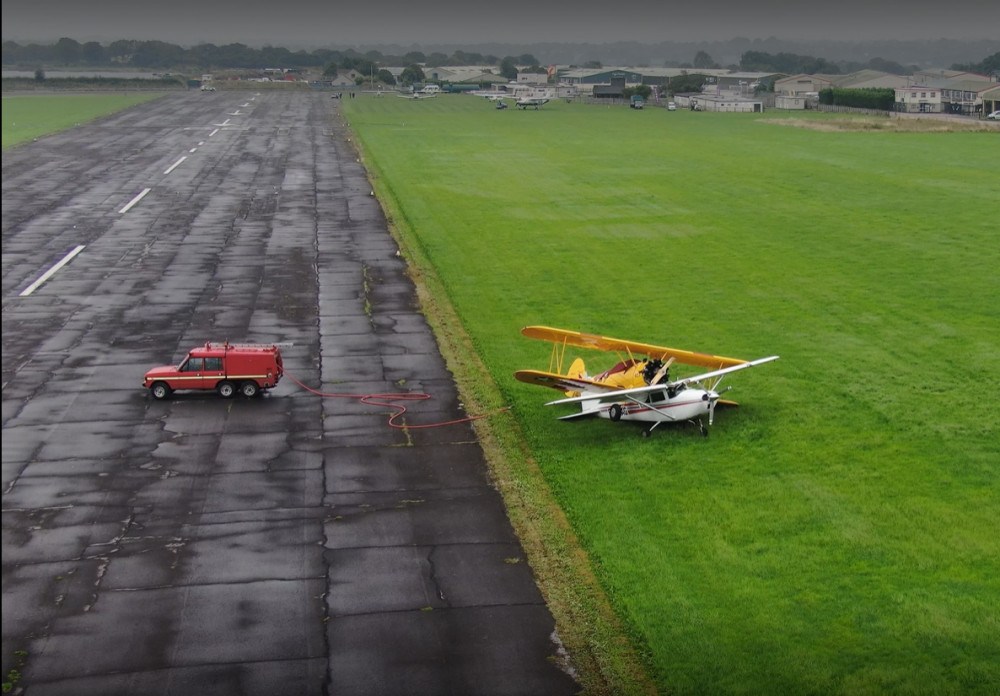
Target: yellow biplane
[{"x": 638, "y": 387}]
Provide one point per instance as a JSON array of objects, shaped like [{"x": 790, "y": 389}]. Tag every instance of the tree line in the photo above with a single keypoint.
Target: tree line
[
  {"x": 205, "y": 57},
  {"x": 794, "y": 64},
  {"x": 882, "y": 99}
]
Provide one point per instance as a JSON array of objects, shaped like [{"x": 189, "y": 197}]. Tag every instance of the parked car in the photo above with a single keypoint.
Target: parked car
[
  {"x": 671, "y": 106},
  {"x": 995, "y": 116}
]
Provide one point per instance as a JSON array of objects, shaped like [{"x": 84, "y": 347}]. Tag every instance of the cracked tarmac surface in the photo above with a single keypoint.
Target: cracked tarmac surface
[{"x": 289, "y": 544}]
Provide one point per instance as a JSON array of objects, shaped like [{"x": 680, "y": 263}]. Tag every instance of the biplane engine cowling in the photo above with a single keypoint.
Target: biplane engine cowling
[{"x": 649, "y": 371}]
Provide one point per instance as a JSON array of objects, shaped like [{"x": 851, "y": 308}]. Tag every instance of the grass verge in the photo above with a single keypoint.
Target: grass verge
[
  {"x": 27, "y": 118},
  {"x": 604, "y": 659}
]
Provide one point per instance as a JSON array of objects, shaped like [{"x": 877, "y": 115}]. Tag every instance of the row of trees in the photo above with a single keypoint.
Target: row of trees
[
  {"x": 793, "y": 64},
  {"x": 159, "y": 54},
  {"x": 508, "y": 67},
  {"x": 990, "y": 65},
  {"x": 205, "y": 57}
]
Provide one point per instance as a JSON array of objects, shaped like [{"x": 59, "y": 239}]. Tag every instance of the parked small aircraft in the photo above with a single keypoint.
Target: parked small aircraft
[
  {"x": 525, "y": 102},
  {"x": 491, "y": 94},
  {"x": 635, "y": 388},
  {"x": 417, "y": 95}
]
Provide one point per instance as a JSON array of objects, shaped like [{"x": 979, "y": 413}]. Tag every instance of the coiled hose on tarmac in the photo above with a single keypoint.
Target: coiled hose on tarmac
[{"x": 389, "y": 400}]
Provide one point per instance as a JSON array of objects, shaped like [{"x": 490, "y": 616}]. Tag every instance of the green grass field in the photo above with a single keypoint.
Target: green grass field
[
  {"x": 837, "y": 533},
  {"x": 28, "y": 117}
]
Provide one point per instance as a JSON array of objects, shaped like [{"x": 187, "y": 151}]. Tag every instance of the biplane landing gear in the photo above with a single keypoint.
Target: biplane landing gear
[{"x": 615, "y": 412}]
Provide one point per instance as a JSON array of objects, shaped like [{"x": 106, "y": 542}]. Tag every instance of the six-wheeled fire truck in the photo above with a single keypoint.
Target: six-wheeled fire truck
[{"x": 247, "y": 368}]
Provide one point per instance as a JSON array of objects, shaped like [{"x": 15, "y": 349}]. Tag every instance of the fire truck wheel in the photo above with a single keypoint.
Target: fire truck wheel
[
  {"x": 226, "y": 389},
  {"x": 160, "y": 390},
  {"x": 249, "y": 389}
]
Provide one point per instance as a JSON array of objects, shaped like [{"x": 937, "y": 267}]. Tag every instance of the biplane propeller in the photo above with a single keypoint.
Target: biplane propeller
[{"x": 635, "y": 388}]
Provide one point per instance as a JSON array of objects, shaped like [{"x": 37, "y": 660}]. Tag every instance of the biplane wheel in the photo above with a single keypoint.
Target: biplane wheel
[{"x": 615, "y": 412}]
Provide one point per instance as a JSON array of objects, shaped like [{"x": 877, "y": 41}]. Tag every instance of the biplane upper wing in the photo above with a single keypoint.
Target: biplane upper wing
[
  {"x": 584, "y": 340},
  {"x": 563, "y": 383},
  {"x": 625, "y": 393}
]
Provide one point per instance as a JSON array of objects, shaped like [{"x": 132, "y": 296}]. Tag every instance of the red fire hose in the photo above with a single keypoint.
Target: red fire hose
[{"x": 389, "y": 401}]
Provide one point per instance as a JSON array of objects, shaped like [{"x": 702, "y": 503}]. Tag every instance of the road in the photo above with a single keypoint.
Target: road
[{"x": 289, "y": 544}]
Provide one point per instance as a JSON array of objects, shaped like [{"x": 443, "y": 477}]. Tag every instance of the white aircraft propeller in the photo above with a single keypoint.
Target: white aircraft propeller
[{"x": 713, "y": 397}]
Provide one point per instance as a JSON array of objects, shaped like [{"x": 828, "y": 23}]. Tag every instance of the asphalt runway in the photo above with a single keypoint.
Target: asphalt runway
[{"x": 290, "y": 544}]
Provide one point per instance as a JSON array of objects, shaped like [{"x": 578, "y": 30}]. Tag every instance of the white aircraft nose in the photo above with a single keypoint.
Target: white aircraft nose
[{"x": 712, "y": 398}]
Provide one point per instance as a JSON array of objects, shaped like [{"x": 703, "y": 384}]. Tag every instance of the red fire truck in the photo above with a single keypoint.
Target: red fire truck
[{"x": 225, "y": 367}]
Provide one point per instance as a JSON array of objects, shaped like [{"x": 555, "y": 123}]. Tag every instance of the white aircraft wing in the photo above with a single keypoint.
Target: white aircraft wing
[{"x": 625, "y": 393}]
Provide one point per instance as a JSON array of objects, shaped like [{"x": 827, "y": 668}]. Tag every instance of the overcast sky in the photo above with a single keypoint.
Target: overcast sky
[{"x": 339, "y": 24}]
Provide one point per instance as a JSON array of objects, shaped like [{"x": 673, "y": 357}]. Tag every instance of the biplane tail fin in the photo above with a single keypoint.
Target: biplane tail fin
[{"x": 578, "y": 370}]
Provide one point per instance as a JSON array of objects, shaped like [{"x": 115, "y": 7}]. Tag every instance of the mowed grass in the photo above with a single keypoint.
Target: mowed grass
[
  {"x": 28, "y": 117},
  {"x": 838, "y": 532}
]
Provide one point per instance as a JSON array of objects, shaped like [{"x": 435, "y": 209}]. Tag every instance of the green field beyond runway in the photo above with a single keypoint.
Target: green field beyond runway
[
  {"x": 838, "y": 532},
  {"x": 28, "y": 117}
]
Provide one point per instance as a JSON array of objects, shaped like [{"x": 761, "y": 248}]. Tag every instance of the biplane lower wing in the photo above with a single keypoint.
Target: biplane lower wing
[
  {"x": 633, "y": 393},
  {"x": 594, "y": 342},
  {"x": 563, "y": 383}
]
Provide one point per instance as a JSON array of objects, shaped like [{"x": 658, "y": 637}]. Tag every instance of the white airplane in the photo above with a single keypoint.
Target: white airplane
[
  {"x": 416, "y": 95},
  {"x": 663, "y": 402},
  {"x": 498, "y": 98},
  {"x": 634, "y": 389},
  {"x": 525, "y": 102}
]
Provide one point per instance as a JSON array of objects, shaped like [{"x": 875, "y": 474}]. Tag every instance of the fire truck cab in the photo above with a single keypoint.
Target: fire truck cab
[{"x": 227, "y": 368}]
